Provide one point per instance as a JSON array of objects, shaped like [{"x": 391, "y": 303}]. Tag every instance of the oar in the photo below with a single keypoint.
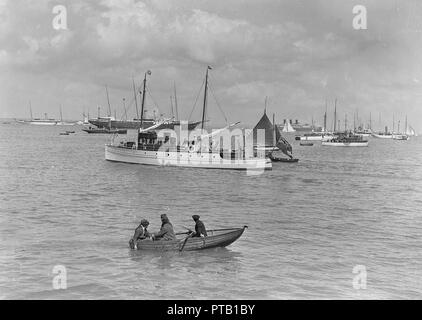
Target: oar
[{"x": 184, "y": 242}]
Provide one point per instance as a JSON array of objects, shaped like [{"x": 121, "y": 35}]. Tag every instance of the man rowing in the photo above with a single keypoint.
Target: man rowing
[
  {"x": 166, "y": 232},
  {"x": 141, "y": 233},
  {"x": 200, "y": 230}
]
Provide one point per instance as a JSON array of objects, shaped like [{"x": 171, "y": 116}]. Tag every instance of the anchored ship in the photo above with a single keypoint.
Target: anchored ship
[
  {"x": 147, "y": 146},
  {"x": 346, "y": 139}
]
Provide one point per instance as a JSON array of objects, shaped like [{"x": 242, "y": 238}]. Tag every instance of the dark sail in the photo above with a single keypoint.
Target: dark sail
[
  {"x": 285, "y": 146},
  {"x": 264, "y": 124},
  {"x": 281, "y": 143}
]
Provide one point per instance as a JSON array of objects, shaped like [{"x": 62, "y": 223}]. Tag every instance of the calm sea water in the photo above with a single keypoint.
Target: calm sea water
[{"x": 309, "y": 223}]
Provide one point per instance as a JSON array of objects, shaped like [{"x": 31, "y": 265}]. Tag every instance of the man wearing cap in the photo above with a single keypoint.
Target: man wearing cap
[
  {"x": 141, "y": 233},
  {"x": 166, "y": 232},
  {"x": 200, "y": 230}
]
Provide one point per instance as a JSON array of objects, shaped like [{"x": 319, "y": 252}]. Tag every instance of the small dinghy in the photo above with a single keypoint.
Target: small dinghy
[
  {"x": 306, "y": 144},
  {"x": 281, "y": 159},
  {"x": 64, "y": 133},
  {"x": 215, "y": 238}
]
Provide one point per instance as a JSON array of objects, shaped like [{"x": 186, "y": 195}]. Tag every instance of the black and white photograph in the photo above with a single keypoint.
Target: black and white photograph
[{"x": 224, "y": 150}]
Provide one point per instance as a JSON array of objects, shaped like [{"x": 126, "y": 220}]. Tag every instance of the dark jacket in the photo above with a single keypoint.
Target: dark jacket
[
  {"x": 141, "y": 233},
  {"x": 200, "y": 229},
  {"x": 166, "y": 232}
]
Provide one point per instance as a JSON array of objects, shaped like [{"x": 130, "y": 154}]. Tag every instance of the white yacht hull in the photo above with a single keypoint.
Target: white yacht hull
[
  {"x": 183, "y": 159},
  {"x": 43, "y": 123},
  {"x": 400, "y": 137},
  {"x": 382, "y": 136},
  {"x": 345, "y": 144},
  {"x": 316, "y": 138}
]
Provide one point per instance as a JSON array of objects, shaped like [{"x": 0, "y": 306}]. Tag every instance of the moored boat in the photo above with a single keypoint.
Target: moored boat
[
  {"x": 149, "y": 147},
  {"x": 307, "y": 144},
  {"x": 275, "y": 158},
  {"x": 216, "y": 238},
  {"x": 346, "y": 140},
  {"x": 315, "y": 136},
  {"x": 401, "y": 136},
  {"x": 104, "y": 130}
]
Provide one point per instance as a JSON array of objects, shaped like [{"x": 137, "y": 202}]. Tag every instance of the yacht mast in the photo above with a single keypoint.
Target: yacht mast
[
  {"x": 205, "y": 98},
  {"x": 175, "y": 101},
  {"x": 171, "y": 106},
  {"x": 405, "y": 126},
  {"x": 143, "y": 96},
  {"x": 136, "y": 100},
  {"x": 30, "y": 109},
  {"x": 108, "y": 101},
  {"x": 335, "y": 114},
  {"x": 325, "y": 116},
  {"x": 124, "y": 108}
]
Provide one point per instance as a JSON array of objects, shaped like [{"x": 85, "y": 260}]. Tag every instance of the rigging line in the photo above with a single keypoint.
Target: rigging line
[
  {"x": 196, "y": 100},
  {"x": 149, "y": 93},
  {"x": 218, "y": 104},
  {"x": 127, "y": 108}
]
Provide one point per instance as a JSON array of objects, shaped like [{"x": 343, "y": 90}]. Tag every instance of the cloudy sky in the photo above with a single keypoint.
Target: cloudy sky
[{"x": 298, "y": 53}]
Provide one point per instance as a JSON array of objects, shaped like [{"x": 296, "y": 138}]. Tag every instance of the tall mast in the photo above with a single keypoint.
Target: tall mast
[
  {"x": 274, "y": 132},
  {"x": 357, "y": 119},
  {"x": 136, "y": 100},
  {"x": 205, "y": 98},
  {"x": 354, "y": 120},
  {"x": 175, "y": 102},
  {"x": 108, "y": 101},
  {"x": 124, "y": 108},
  {"x": 171, "y": 106},
  {"x": 335, "y": 114},
  {"x": 325, "y": 116},
  {"x": 61, "y": 115},
  {"x": 98, "y": 112},
  {"x": 405, "y": 126},
  {"x": 370, "y": 121},
  {"x": 143, "y": 96},
  {"x": 265, "y": 105},
  {"x": 394, "y": 124},
  {"x": 345, "y": 122},
  {"x": 30, "y": 109}
]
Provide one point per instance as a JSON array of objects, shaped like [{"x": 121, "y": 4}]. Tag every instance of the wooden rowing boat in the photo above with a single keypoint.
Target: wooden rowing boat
[
  {"x": 281, "y": 159},
  {"x": 307, "y": 144},
  {"x": 215, "y": 238}
]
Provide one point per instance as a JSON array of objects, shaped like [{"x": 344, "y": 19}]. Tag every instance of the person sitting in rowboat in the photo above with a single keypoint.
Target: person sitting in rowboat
[
  {"x": 200, "y": 230},
  {"x": 141, "y": 233},
  {"x": 166, "y": 232}
]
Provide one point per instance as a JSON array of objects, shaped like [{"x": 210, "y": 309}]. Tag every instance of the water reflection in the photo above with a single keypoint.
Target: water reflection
[{"x": 195, "y": 260}]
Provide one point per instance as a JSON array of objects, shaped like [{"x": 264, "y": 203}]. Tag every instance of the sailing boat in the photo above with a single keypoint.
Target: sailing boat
[
  {"x": 401, "y": 136},
  {"x": 38, "y": 121},
  {"x": 288, "y": 127},
  {"x": 147, "y": 146},
  {"x": 116, "y": 125},
  {"x": 272, "y": 144},
  {"x": 63, "y": 123}
]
